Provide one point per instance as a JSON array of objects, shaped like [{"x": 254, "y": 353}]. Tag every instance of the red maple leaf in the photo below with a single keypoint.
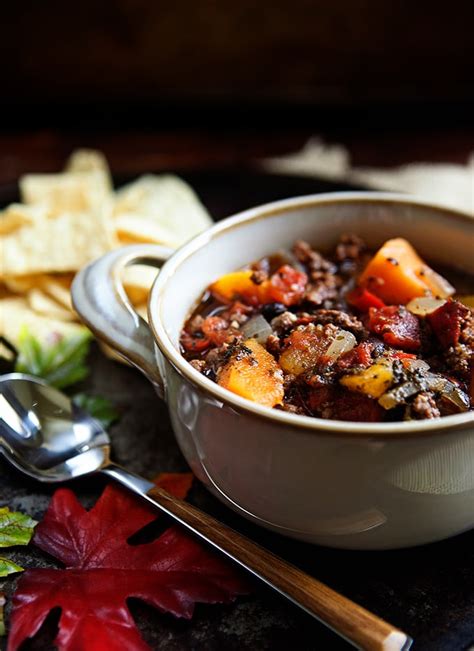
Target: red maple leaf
[{"x": 102, "y": 571}]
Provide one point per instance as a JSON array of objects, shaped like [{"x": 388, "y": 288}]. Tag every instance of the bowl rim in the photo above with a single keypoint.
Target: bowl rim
[{"x": 396, "y": 429}]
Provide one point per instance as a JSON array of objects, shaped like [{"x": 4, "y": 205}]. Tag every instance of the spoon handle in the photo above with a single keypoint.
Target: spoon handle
[{"x": 358, "y": 626}]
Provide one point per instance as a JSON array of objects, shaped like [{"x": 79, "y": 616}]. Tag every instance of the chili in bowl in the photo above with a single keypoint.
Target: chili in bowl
[{"x": 351, "y": 335}]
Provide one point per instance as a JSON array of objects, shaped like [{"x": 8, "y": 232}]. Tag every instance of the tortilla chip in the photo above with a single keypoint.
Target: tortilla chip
[
  {"x": 133, "y": 229},
  {"x": 23, "y": 284},
  {"x": 58, "y": 286},
  {"x": 55, "y": 285},
  {"x": 137, "y": 281},
  {"x": 87, "y": 160},
  {"x": 4, "y": 291},
  {"x": 67, "y": 192},
  {"x": 168, "y": 210},
  {"x": 65, "y": 243},
  {"x": 15, "y": 313},
  {"x": 90, "y": 160},
  {"x": 17, "y": 215},
  {"x": 142, "y": 310},
  {"x": 43, "y": 304}
]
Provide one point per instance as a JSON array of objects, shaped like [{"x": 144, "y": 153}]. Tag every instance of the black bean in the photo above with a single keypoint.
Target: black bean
[{"x": 271, "y": 310}]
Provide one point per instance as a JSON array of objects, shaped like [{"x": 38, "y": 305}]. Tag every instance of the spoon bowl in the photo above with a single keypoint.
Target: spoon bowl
[{"x": 45, "y": 435}]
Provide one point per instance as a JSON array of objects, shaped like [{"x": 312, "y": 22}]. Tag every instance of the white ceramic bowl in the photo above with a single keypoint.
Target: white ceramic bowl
[{"x": 336, "y": 483}]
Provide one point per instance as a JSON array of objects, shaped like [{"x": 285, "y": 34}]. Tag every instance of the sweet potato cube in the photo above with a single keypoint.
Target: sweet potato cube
[
  {"x": 253, "y": 373},
  {"x": 235, "y": 285},
  {"x": 372, "y": 381},
  {"x": 397, "y": 274}
]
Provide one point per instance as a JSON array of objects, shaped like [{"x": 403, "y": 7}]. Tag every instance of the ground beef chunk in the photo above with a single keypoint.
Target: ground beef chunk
[
  {"x": 259, "y": 276},
  {"x": 262, "y": 265},
  {"x": 459, "y": 358},
  {"x": 283, "y": 322},
  {"x": 313, "y": 260},
  {"x": 237, "y": 317},
  {"x": 195, "y": 324},
  {"x": 288, "y": 380},
  {"x": 324, "y": 282},
  {"x": 467, "y": 331},
  {"x": 424, "y": 406},
  {"x": 273, "y": 345},
  {"x": 326, "y": 288},
  {"x": 291, "y": 408},
  {"x": 342, "y": 320},
  {"x": 350, "y": 247},
  {"x": 449, "y": 321},
  {"x": 217, "y": 357},
  {"x": 198, "y": 364}
]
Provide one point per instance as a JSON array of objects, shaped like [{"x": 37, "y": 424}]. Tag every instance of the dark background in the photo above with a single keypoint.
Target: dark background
[
  {"x": 193, "y": 84},
  {"x": 342, "y": 65}
]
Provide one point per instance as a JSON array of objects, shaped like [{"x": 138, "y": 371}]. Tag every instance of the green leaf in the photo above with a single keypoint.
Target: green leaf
[
  {"x": 61, "y": 363},
  {"x": 15, "y": 528},
  {"x": 8, "y": 567},
  {"x": 98, "y": 407}
]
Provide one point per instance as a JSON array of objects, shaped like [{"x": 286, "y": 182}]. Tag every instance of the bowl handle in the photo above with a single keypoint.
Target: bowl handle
[{"x": 100, "y": 300}]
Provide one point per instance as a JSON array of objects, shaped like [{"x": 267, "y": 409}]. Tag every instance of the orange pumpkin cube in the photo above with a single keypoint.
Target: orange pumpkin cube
[{"x": 254, "y": 375}]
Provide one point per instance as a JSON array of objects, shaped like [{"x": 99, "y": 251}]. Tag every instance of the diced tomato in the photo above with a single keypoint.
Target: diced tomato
[
  {"x": 218, "y": 330},
  {"x": 318, "y": 396},
  {"x": 238, "y": 308},
  {"x": 287, "y": 286},
  {"x": 355, "y": 406},
  {"x": 399, "y": 354},
  {"x": 362, "y": 299},
  {"x": 396, "y": 326},
  {"x": 446, "y": 322},
  {"x": 343, "y": 405},
  {"x": 359, "y": 356},
  {"x": 405, "y": 358},
  {"x": 304, "y": 320},
  {"x": 304, "y": 348},
  {"x": 193, "y": 343}
]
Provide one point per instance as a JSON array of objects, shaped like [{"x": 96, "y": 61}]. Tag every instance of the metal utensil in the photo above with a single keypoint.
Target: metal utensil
[{"x": 45, "y": 436}]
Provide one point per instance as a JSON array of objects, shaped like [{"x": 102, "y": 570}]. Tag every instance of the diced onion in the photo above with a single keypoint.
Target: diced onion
[
  {"x": 449, "y": 390},
  {"x": 438, "y": 284},
  {"x": 424, "y": 305},
  {"x": 257, "y": 328},
  {"x": 435, "y": 382},
  {"x": 398, "y": 395},
  {"x": 430, "y": 381},
  {"x": 343, "y": 342},
  {"x": 417, "y": 365},
  {"x": 457, "y": 397}
]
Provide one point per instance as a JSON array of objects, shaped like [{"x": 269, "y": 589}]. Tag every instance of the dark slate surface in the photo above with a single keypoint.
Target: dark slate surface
[{"x": 426, "y": 591}]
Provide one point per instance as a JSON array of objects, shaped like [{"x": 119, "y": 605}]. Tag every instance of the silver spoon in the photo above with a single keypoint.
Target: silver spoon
[{"x": 48, "y": 438}]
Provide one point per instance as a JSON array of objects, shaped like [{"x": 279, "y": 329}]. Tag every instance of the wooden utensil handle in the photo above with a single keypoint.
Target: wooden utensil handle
[{"x": 357, "y": 625}]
